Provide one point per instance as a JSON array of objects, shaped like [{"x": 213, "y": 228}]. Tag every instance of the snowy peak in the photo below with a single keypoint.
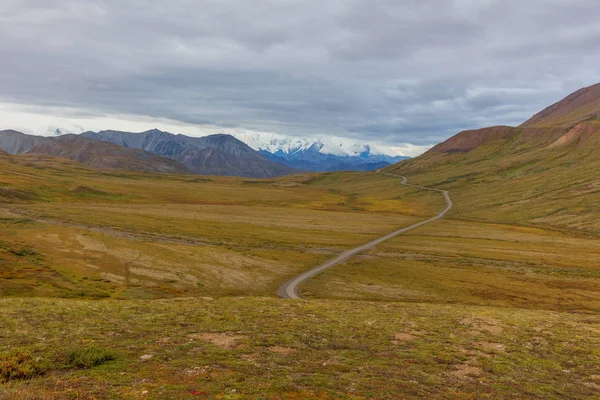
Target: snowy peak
[
  {"x": 320, "y": 153},
  {"x": 288, "y": 146},
  {"x": 361, "y": 150},
  {"x": 61, "y": 128}
]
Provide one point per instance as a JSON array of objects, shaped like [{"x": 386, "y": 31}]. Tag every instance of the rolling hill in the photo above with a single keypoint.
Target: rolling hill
[
  {"x": 209, "y": 155},
  {"x": 542, "y": 172},
  {"x": 91, "y": 152}
]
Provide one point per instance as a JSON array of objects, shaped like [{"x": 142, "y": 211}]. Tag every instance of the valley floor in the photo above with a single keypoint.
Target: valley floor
[{"x": 107, "y": 267}]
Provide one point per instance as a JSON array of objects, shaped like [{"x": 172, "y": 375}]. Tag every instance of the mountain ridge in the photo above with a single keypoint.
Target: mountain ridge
[
  {"x": 229, "y": 156},
  {"x": 317, "y": 154},
  {"x": 581, "y": 105},
  {"x": 87, "y": 151}
]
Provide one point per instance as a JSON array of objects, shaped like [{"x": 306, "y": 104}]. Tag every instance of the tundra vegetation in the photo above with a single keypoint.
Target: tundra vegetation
[{"x": 153, "y": 286}]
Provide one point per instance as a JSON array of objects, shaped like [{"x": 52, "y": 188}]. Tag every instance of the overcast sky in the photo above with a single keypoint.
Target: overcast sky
[{"x": 392, "y": 71}]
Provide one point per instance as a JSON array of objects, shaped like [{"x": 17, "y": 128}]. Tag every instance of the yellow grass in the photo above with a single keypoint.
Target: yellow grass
[
  {"x": 461, "y": 310},
  {"x": 126, "y": 235},
  {"x": 474, "y": 263}
]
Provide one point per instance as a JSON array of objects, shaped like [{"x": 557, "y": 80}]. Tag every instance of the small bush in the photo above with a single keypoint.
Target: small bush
[
  {"x": 18, "y": 365},
  {"x": 23, "y": 252},
  {"x": 88, "y": 357}
]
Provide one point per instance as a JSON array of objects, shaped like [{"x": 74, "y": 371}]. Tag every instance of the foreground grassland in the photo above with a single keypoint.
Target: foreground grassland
[{"x": 253, "y": 348}]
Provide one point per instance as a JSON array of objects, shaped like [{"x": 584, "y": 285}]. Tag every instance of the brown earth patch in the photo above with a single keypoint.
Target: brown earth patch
[
  {"x": 579, "y": 132},
  {"x": 483, "y": 324},
  {"x": 465, "y": 371},
  {"x": 536, "y": 342},
  {"x": 281, "y": 350},
  {"x": 250, "y": 357},
  {"x": 113, "y": 277},
  {"x": 196, "y": 371},
  {"x": 225, "y": 340},
  {"x": 403, "y": 337},
  {"x": 592, "y": 385},
  {"x": 490, "y": 346}
]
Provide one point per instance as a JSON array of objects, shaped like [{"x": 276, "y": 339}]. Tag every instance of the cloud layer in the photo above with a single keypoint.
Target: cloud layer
[{"x": 412, "y": 71}]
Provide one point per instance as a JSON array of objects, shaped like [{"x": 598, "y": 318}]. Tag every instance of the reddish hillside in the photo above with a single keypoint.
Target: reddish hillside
[
  {"x": 583, "y": 105},
  {"x": 573, "y": 119},
  {"x": 468, "y": 140},
  {"x": 542, "y": 172}
]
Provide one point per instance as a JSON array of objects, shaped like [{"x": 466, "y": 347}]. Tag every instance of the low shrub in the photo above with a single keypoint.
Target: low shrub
[
  {"x": 18, "y": 365},
  {"x": 88, "y": 357}
]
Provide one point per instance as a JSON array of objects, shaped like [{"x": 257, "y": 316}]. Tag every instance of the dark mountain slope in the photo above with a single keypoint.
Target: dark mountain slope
[
  {"x": 215, "y": 154},
  {"x": 91, "y": 152},
  {"x": 14, "y": 142}
]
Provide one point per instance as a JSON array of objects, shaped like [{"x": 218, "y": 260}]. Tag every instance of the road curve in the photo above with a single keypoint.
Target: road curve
[{"x": 289, "y": 290}]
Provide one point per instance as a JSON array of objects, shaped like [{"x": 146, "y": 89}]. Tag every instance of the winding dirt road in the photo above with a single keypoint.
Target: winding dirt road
[{"x": 289, "y": 290}]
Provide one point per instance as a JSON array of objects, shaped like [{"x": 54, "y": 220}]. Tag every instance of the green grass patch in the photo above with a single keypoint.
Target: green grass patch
[{"x": 89, "y": 357}]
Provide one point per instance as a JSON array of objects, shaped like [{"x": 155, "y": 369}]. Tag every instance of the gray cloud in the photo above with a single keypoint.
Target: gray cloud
[{"x": 412, "y": 71}]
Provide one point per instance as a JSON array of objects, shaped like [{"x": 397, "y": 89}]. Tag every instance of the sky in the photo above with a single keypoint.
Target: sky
[{"x": 404, "y": 73}]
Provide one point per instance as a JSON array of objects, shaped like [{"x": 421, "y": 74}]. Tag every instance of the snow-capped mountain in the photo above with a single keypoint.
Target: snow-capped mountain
[
  {"x": 342, "y": 147},
  {"x": 320, "y": 154},
  {"x": 61, "y": 128}
]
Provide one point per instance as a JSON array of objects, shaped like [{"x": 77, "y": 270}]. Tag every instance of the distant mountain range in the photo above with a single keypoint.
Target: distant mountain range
[
  {"x": 245, "y": 154},
  {"x": 151, "y": 151}
]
